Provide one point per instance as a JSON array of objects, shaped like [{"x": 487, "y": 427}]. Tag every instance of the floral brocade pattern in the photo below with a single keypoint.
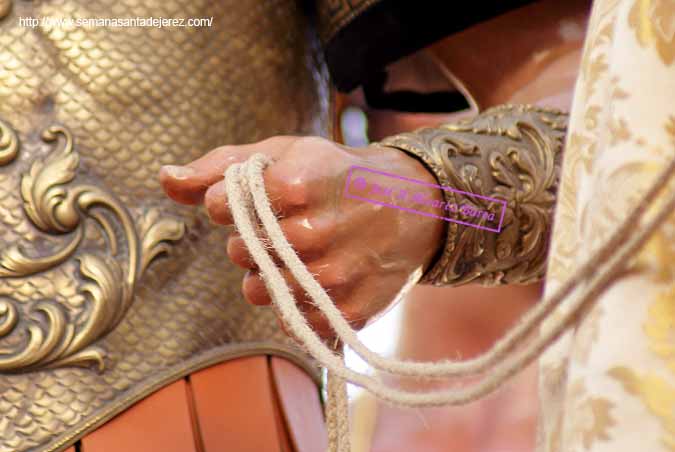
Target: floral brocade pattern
[{"x": 609, "y": 385}]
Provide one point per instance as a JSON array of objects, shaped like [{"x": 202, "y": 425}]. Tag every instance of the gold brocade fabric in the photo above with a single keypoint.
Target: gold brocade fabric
[
  {"x": 609, "y": 385},
  {"x": 108, "y": 290}
]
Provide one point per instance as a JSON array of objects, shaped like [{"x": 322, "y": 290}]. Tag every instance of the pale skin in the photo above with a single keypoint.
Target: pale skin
[{"x": 360, "y": 252}]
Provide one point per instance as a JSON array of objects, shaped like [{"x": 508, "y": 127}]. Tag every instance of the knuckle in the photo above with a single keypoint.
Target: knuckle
[
  {"x": 295, "y": 195},
  {"x": 276, "y": 141},
  {"x": 215, "y": 203},
  {"x": 219, "y": 157},
  {"x": 223, "y": 151},
  {"x": 310, "y": 143},
  {"x": 335, "y": 275},
  {"x": 301, "y": 237},
  {"x": 293, "y": 174},
  {"x": 291, "y": 185}
]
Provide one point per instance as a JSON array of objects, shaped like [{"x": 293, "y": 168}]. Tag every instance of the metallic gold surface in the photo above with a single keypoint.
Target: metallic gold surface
[
  {"x": 108, "y": 290},
  {"x": 510, "y": 152},
  {"x": 59, "y": 338},
  {"x": 9, "y": 143},
  {"x": 333, "y": 15}
]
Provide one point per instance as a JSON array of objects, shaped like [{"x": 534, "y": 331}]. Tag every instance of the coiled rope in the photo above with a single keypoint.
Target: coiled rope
[{"x": 251, "y": 208}]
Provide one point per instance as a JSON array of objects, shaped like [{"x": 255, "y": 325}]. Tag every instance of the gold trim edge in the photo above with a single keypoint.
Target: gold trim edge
[{"x": 174, "y": 373}]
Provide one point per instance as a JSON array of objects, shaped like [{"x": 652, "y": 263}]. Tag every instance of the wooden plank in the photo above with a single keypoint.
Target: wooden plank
[
  {"x": 280, "y": 420},
  {"x": 160, "y": 422},
  {"x": 234, "y": 405},
  {"x": 300, "y": 405}
]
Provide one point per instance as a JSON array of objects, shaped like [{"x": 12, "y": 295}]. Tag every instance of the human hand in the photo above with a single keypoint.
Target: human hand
[{"x": 361, "y": 253}]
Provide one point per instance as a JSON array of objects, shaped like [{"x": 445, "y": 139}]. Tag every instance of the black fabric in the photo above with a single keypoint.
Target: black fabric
[
  {"x": 411, "y": 101},
  {"x": 392, "y": 29}
]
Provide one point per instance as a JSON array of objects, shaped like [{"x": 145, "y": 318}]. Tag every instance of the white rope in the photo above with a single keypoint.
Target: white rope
[
  {"x": 587, "y": 286},
  {"x": 337, "y": 419},
  {"x": 444, "y": 368},
  {"x": 297, "y": 324}
]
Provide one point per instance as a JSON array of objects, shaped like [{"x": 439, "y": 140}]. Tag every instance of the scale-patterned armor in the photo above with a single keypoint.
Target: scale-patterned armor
[{"x": 108, "y": 290}]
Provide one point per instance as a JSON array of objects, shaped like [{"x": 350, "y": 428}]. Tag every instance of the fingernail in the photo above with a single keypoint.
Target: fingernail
[{"x": 178, "y": 172}]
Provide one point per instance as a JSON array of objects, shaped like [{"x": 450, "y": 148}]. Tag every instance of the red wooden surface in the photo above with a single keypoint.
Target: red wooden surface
[
  {"x": 255, "y": 404},
  {"x": 235, "y": 408},
  {"x": 300, "y": 405},
  {"x": 161, "y": 422}
]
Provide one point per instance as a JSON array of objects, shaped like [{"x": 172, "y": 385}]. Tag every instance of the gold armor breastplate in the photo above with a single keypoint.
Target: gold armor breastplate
[{"x": 107, "y": 289}]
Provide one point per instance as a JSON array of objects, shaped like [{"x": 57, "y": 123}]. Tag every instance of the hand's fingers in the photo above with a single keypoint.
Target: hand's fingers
[
  {"x": 310, "y": 236},
  {"x": 187, "y": 184},
  {"x": 324, "y": 331},
  {"x": 285, "y": 185},
  {"x": 218, "y": 208},
  {"x": 336, "y": 276},
  {"x": 320, "y": 324},
  {"x": 239, "y": 255},
  {"x": 254, "y": 290}
]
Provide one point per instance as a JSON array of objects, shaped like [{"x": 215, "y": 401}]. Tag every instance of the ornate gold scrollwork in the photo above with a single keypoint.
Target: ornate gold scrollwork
[
  {"x": 9, "y": 143},
  {"x": 510, "y": 152},
  {"x": 45, "y": 333}
]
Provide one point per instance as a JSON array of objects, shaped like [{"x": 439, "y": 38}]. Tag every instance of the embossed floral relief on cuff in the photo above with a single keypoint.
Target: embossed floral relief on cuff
[{"x": 512, "y": 153}]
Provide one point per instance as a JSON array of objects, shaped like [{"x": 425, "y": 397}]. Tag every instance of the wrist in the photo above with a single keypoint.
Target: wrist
[
  {"x": 407, "y": 165},
  {"x": 503, "y": 164}
]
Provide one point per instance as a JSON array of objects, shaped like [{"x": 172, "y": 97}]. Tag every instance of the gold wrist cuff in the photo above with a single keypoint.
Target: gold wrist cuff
[{"x": 511, "y": 153}]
